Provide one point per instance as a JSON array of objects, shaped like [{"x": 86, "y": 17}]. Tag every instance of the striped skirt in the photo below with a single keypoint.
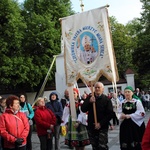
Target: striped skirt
[{"x": 76, "y": 137}]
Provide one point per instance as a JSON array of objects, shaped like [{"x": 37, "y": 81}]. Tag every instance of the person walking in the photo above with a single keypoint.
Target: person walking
[
  {"x": 98, "y": 132},
  {"x": 45, "y": 121},
  {"x": 132, "y": 127},
  {"x": 2, "y": 110},
  {"x": 14, "y": 126},
  {"x": 138, "y": 93},
  {"x": 143, "y": 99},
  {"x": 26, "y": 108},
  {"x": 121, "y": 96},
  {"x": 147, "y": 100},
  {"x": 2, "y": 105},
  {"x": 77, "y": 135},
  {"x": 115, "y": 103},
  {"x": 55, "y": 106},
  {"x": 146, "y": 137},
  {"x": 84, "y": 96},
  {"x": 65, "y": 99}
]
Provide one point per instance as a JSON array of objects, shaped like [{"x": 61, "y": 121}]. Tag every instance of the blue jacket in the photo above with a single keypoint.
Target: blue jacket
[
  {"x": 29, "y": 113},
  {"x": 56, "y": 107}
]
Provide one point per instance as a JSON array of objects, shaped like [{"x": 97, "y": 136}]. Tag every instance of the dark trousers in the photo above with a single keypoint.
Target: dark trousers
[
  {"x": 45, "y": 143},
  {"x": 1, "y": 143},
  {"x": 29, "y": 142},
  {"x": 115, "y": 119},
  {"x": 18, "y": 148},
  {"x": 144, "y": 104},
  {"x": 99, "y": 139},
  {"x": 57, "y": 136}
]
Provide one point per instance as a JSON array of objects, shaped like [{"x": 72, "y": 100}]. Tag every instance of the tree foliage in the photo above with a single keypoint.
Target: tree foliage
[
  {"x": 131, "y": 44},
  {"x": 124, "y": 43},
  {"x": 11, "y": 36},
  {"x": 30, "y": 36},
  {"x": 43, "y": 33},
  {"x": 141, "y": 55}
]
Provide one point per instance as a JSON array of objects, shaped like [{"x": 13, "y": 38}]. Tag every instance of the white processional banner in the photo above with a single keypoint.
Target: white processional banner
[{"x": 88, "y": 50}]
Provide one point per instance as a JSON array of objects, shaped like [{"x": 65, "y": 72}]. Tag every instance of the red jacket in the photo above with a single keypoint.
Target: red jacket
[
  {"x": 13, "y": 126},
  {"x": 44, "y": 118},
  {"x": 146, "y": 138}
]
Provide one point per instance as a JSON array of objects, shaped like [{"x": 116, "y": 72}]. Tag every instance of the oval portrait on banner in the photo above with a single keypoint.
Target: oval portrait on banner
[{"x": 87, "y": 47}]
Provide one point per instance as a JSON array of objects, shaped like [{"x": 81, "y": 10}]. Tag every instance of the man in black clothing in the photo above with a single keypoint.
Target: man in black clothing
[
  {"x": 65, "y": 100},
  {"x": 98, "y": 133},
  {"x": 138, "y": 93}
]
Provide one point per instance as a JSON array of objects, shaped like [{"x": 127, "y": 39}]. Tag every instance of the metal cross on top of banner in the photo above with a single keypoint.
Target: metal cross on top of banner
[{"x": 82, "y": 5}]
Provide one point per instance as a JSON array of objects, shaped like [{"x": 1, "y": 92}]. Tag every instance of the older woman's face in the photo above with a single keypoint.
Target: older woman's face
[
  {"x": 128, "y": 94},
  {"x": 41, "y": 102},
  {"x": 15, "y": 106},
  {"x": 22, "y": 98}
]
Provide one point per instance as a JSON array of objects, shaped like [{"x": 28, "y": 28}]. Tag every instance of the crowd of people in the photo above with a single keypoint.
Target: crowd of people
[{"x": 96, "y": 113}]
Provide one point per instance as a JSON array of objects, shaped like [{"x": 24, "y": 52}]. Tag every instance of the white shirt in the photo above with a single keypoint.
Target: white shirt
[
  {"x": 86, "y": 57},
  {"x": 147, "y": 97},
  {"x": 138, "y": 116},
  {"x": 82, "y": 117}
]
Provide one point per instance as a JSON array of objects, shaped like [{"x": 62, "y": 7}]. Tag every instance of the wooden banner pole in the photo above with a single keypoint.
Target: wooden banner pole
[{"x": 94, "y": 106}]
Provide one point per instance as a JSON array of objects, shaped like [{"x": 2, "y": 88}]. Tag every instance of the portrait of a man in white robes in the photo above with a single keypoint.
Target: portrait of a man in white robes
[{"x": 85, "y": 49}]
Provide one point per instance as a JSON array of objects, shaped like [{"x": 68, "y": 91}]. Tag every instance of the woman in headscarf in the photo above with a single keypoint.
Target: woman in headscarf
[
  {"x": 77, "y": 135},
  {"x": 131, "y": 114}
]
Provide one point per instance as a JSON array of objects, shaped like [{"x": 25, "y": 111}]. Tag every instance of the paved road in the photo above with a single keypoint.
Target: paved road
[{"x": 113, "y": 139}]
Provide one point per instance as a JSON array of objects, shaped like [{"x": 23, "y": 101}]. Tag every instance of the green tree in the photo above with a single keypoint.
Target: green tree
[
  {"x": 11, "y": 37},
  {"x": 43, "y": 34},
  {"x": 124, "y": 43},
  {"x": 142, "y": 52},
  {"x": 30, "y": 36}
]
